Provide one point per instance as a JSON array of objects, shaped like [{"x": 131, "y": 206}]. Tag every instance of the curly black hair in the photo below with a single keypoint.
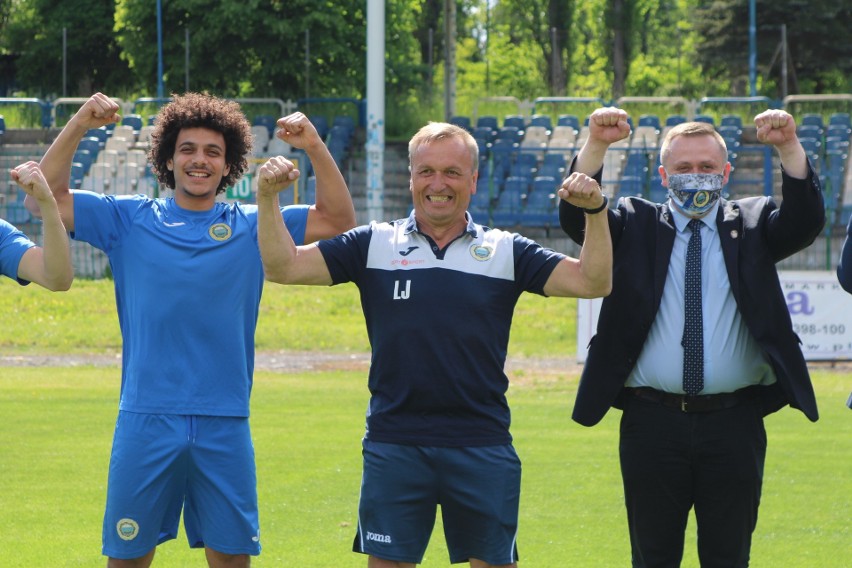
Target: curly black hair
[{"x": 201, "y": 110}]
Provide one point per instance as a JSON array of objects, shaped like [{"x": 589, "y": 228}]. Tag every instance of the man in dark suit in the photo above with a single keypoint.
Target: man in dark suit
[{"x": 695, "y": 343}]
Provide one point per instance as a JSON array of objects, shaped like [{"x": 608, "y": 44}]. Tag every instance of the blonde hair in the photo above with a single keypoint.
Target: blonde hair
[
  {"x": 434, "y": 131},
  {"x": 691, "y": 129}
]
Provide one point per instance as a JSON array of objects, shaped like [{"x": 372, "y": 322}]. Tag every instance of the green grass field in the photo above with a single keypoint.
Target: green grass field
[{"x": 57, "y": 426}]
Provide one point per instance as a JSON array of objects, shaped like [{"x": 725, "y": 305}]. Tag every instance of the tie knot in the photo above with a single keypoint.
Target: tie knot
[{"x": 695, "y": 225}]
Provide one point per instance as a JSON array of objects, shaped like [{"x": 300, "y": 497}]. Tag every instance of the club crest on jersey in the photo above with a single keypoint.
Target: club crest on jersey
[
  {"x": 481, "y": 252},
  {"x": 127, "y": 529},
  {"x": 220, "y": 232}
]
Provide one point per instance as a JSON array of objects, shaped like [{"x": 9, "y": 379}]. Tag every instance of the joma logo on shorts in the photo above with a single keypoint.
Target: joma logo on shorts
[{"x": 379, "y": 537}]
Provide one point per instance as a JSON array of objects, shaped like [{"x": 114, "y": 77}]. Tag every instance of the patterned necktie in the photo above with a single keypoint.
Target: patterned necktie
[{"x": 693, "y": 327}]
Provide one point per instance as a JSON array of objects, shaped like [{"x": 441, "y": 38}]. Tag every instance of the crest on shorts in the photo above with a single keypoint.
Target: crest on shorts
[
  {"x": 127, "y": 529},
  {"x": 220, "y": 232}
]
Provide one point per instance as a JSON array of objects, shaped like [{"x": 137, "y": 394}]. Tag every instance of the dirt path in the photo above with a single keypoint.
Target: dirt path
[
  {"x": 300, "y": 361},
  {"x": 290, "y": 362}
]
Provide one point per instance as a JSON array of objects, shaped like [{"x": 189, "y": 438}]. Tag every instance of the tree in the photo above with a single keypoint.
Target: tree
[
  {"x": 34, "y": 35},
  {"x": 548, "y": 25},
  {"x": 247, "y": 48},
  {"x": 819, "y": 44}
]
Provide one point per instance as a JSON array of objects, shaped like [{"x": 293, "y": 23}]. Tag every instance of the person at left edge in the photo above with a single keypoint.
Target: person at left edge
[
  {"x": 23, "y": 260},
  {"x": 188, "y": 279},
  {"x": 844, "y": 267}
]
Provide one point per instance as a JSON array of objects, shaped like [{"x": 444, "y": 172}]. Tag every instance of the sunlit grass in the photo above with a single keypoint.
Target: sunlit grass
[
  {"x": 57, "y": 430},
  {"x": 298, "y": 318}
]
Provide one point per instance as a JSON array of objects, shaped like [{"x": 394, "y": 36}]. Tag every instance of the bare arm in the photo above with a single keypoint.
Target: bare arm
[
  {"x": 56, "y": 163},
  {"x": 590, "y": 275},
  {"x": 333, "y": 212},
  {"x": 283, "y": 261},
  {"x": 777, "y": 128},
  {"x": 50, "y": 265}
]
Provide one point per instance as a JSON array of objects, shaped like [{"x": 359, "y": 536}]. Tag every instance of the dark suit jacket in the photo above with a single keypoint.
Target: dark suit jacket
[
  {"x": 844, "y": 267},
  {"x": 755, "y": 234}
]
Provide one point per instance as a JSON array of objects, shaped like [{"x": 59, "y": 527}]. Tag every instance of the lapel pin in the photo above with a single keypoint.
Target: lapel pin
[{"x": 734, "y": 234}]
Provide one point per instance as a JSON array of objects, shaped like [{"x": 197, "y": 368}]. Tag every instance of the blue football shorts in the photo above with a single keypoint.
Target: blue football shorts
[
  {"x": 478, "y": 489},
  {"x": 162, "y": 463}
]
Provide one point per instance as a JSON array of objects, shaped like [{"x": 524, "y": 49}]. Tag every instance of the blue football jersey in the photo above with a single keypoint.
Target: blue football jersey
[
  {"x": 187, "y": 289},
  {"x": 438, "y": 323},
  {"x": 13, "y": 245}
]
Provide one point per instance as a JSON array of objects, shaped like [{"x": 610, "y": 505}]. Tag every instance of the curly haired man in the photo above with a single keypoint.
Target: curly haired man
[{"x": 188, "y": 279}]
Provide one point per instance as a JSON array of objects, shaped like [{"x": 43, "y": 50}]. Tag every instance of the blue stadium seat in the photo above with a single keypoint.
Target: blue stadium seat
[
  {"x": 568, "y": 120},
  {"x": 320, "y": 124},
  {"x": 541, "y": 120},
  {"x": 507, "y": 209},
  {"x": 544, "y": 184},
  {"x": 809, "y": 131},
  {"x": 480, "y": 202},
  {"x": 811, "y": 145},
  {"x": 502, "y": 156},
  {"x": 636, "y": 164},
  {"x": 84, "y": 157},
  {"x": 339, "y": 134},
  {"x": 91, "y": 145},
  {"x": 812, "y": 119},
  {"x": 485, "y": 133},
  {"x": 845, "y": 214},
  {"x": 540, "y": 209},
  {"x": 310, "y": 191},
  {"x": 524, "y": 165},
  {"x": 462, "y": 122},
  {"x": 631, "y": 186},
  {"x": 731, "y": 131},
  {"x": 267, "y": 120},
  {"x": 836, "y": 144},
  {"x": 675, "y": 119},
  {"x": 287, "y": 196},
  {"x": 100, "y": 133},
  {"x": 338, "y": 153},
  {"x": 17, "y": 213},
  {"x": 841, "y": 131},
  {"x": 519, "y": 184},
  {"x": 656, "y": 192},
  {"x": 840, "y": 118},
  {"x": 2, "y": 127},
  {"x": 133, "y": 120},
  {"x": 512, "y": 133},
  {"x": 554, "y": 165},
  {"x": 704, "y": 118},
  {"x": 650, "y": 120},
  {"x": 78, "y": 172},
  {"x": 515, "y": 120},
  {"x": 731, "y": 120},
  {"x": 483, "y": 147},
  {"x": 306, "y": 168},
  {"x": 345, "y": 121},
  {"x": 488, "y": 120}
]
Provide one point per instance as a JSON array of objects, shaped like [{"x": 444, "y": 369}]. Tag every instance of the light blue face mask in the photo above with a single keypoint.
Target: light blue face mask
[{"x": 695, "y": 194}]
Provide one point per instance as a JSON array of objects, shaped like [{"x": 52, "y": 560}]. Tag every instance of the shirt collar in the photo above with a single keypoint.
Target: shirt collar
[
  {"x": 681, "y": 220},
  {"x": 411, "y": 224}
]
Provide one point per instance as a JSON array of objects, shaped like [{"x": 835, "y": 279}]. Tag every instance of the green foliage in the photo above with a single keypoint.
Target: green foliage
[
  {"x": 819, "y": 59},
  {"x": 58, "y": 424},
  {"x": 92, "y": 61},
  {"x": 249, "y": 48},
  {"x": 304, "y": 49}
]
